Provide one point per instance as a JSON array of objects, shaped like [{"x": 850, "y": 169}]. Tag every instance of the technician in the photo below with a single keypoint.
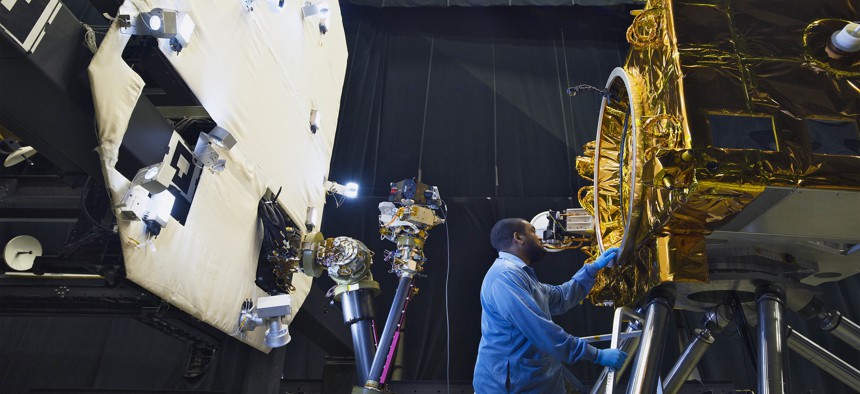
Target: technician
[{"x": 521, "y": 349}]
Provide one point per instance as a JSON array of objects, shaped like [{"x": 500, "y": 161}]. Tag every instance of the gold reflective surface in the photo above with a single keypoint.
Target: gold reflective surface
[{"x": 656, "y": 166}]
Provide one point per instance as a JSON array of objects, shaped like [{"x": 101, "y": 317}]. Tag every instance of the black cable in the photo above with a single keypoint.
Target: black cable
[
  {"x": 447, "y": 316},
  {"x": 743, "y": 329},
  {"x": 574, "y": 90},
  {"x": 84, "y": 207},
  {"x": 276, "y": 231},
  {"x": 73, "y": 247}
]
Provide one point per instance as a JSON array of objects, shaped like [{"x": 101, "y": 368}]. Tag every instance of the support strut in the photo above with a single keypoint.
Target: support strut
[
  {"x": 771, "y": 340},
  {"x": 404, "y": 287},
  {"x": 358, "y": 314},
  {"x": 647, "y": 365}
]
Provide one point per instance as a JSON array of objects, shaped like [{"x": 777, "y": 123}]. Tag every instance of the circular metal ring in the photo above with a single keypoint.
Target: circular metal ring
[{"x": 630, "y": 222}]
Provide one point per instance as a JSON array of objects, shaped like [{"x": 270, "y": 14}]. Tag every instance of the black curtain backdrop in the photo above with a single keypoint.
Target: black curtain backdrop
[
  {"x": 119, "y": 354},
  {"x": 472, "y": 100}
]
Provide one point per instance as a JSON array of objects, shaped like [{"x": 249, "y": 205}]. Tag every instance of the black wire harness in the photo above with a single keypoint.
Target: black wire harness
[{"x": 279, "y": 252}]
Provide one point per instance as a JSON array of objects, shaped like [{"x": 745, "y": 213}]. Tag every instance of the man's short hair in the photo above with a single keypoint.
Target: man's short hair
[{"x": 501, "y": 236}]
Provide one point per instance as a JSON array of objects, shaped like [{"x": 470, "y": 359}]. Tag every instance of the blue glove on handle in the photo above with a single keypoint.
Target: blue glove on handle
[
  {"x": 612, "y": 358},
  {"x": 607, "y": 258}
]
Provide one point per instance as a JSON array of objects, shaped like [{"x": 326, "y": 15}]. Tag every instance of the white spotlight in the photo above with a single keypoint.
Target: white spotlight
[
  {"x": 175, "y": 26},
  {"x": 310, "y": 9},
  {"x": 155, "y": 22},
  {"x": 350, "y": 190}
]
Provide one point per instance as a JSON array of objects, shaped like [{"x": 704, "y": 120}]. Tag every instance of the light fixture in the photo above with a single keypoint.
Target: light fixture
[
  {"x": 160, "y": 207},
  {"x": 340, "y": 192},
  {"x": 311, "y": 219},
  {"x": 205, "y": 154},
  {"x": 185, "y": 29},
  {"x": 315, "y": 119},
  {"x": 155, "y": 178},
  {"x": 147, "y": 197},
  {"x": 312, "y": 9},
  {"x": 269, "y": 312},
  {"x": 176, "y": 26},
  {"x": 350, "y": 190},
  {"x": 155, "y": 22},
  {"x": 844, "y": 42},
  {"x": 133, "y": 204}
]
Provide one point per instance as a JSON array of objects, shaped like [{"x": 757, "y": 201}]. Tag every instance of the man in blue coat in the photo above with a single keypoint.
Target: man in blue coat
[{"x": 522, "y": 349}]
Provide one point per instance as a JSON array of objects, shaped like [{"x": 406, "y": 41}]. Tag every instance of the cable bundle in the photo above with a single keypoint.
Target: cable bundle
[{"x": 278, "y": 254}]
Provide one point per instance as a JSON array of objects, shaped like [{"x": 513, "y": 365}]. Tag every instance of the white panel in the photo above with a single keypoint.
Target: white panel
[{"x": 258, "y": 74}]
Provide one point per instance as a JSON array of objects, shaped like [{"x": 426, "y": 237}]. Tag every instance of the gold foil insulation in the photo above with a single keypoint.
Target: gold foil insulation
[{"x": 690, "y": 60}]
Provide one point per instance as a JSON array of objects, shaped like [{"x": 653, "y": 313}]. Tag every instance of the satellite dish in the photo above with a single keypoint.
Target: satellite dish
[
  {"x": 21, "y": 154},
  {"x": 21, "y": 252}
]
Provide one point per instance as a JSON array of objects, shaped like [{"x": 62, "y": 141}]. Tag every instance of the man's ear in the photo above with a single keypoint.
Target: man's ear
[{"x": 518, "y": 238}]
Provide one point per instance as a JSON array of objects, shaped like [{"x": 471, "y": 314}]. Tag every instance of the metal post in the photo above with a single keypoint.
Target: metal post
[
  {"x": 688, "y": 361},
  {"x": 627, "y": 345},
  {"x": 825, "y": 360},
  {"x": 646, "y": 369},
  {"x": 404, "y": 287},
  {"x": 841, "y": 327},
  {"x": 684, "y": 339},
  {"x": 771, "y": 341},
  {"x": 358, "y": 314},
  {"x": 714, "y": 320}
]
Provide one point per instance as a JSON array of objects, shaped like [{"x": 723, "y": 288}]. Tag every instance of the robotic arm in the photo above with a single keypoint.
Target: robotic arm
[{"x": 407, "y": 216}]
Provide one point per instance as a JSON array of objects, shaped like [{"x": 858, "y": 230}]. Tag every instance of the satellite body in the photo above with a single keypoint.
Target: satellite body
[{"x": 728, "y": 153}]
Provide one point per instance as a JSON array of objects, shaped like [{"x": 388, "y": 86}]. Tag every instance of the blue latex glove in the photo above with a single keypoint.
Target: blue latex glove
[
  {"x": 612, "y": 358},
  {"x": 607, "y": 258}
]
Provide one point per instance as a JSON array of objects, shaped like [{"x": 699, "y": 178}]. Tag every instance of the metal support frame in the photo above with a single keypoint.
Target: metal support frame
[
  {"x": 620, "y": 314},
  {"x": 627, "y": 345},
  {"x": 771, "y": 340},
  {"x": 714, "y": 320},
  {"x": 842, "y": 328},
  {"x": 688, "y": 361},
  {"x": 646, "y": 368},
  {"x": 404, "y": 287},
  {"x": 823, "y": 359}
]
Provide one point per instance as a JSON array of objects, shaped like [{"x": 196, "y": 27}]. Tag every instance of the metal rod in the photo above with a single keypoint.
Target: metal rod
[
  {"x": 608, "y": 337},
  {"x": 771, "y": 342},
  {"x": 684, "y": 339},
  {"x": 617, "y": 319},
  {"x": 627, "y": 345},
  {"x": 358, "y": 315},
  {"x": 825, "y": 360},
  {"x": 394, "y": 315},
  {"x": 686, "y": 364},
  {"x": 842, "y": 328},
  {"x": 647, "y": 365}
]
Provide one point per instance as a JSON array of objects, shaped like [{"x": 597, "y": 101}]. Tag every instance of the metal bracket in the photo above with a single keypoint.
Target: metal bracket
[{"x": 620, "y": 314}]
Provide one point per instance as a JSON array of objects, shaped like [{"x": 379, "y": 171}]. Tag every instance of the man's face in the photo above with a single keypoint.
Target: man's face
[{"x": 533, "y": 247}]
